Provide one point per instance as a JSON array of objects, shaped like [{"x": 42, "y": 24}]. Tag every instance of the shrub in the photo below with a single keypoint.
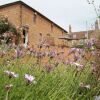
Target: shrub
[{"x": 7, "y": 28}]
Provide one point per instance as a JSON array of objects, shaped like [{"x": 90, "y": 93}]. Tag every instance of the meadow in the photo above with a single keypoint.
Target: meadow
[{"x": 27, "y": 78}]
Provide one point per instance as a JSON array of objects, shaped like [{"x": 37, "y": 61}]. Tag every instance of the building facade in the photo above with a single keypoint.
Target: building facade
[
  {"x": 36, "y": 28},
  {"x": 81, "y": 37}
]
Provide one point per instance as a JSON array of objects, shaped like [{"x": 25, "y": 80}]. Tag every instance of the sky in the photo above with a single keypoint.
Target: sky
[{"x": 77, "y": 13}]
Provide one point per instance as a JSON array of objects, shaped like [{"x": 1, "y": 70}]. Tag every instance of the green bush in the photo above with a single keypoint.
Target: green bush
[{"x": 7, "y": 27}]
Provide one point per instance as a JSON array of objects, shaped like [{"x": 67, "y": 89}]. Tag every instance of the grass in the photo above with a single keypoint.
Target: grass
[{"x": 60, "y": 84}]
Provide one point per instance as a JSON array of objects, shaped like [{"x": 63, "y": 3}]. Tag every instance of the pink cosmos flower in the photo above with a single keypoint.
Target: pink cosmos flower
[
  {"x": 18, "y": 53},
  {"x": 76, "y": 57},
  {"x": 68, "y": 62},
  {"x": 30, "y": 79},
  {"x": 72, "y": 50}
]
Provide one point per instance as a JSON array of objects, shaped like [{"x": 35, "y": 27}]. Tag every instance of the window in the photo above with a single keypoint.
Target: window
[
  {"x": 86, "y": 35},
  {"x": 62, "y": 33},
  {"x": 40, "y": 34},
  {"x": 48, "y": 35},
  {"x": 40, "y": 37},
  {"x": 24, "y": 34},
  {"x": 49, "y": 40},
  {"x": 74, "y": 36},
  {"x": 34, "y": 17},
  {"x": 51, "y": 27}
]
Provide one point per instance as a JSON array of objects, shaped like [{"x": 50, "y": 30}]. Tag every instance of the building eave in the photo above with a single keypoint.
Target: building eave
[{"x": 34, "y": 10}]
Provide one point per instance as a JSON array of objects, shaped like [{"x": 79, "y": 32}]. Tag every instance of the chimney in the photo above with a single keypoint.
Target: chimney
[
  {"x": 70, "y": 29},
  {"x": 96, "y": 25}
]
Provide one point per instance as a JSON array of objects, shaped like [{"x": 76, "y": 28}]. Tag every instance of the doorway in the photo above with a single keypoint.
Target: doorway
[{"x": 25, "y": 38}]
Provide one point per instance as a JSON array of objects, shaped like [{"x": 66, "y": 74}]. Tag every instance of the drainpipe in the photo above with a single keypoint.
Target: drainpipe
[{"x": 20, "y": 15}]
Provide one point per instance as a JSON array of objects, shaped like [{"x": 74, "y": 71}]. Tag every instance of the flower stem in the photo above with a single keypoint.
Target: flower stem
[{"x": 7, "y": 94}]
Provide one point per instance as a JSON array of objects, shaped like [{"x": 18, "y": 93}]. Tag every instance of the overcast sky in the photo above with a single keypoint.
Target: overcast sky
[{"x": 65, "y": 12}]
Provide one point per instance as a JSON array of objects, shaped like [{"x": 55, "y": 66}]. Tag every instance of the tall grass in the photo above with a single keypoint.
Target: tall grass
[{"x": 60, "y": 84}]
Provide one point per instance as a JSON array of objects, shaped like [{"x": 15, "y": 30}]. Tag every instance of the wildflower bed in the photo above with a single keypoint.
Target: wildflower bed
[
  {"x": 24, "y": 75},
  {"x": 60, "y": 84},
  {"x": 26, "y": 78}
]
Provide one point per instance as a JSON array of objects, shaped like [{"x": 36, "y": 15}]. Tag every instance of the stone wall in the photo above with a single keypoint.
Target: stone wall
[{"x": 13, "y": 14}]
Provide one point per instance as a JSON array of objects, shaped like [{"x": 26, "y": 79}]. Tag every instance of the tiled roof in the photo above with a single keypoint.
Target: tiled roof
[{"x": 80, "y": 35}]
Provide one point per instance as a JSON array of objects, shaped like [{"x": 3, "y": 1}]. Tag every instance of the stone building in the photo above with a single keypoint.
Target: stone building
[
  {"x": 36, "y": 28},
  {"x": 79, "y": 38}
]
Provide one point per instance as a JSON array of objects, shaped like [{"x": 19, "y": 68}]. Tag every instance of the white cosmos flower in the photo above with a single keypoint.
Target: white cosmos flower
[
  {"x": 11, "y": 74},
  {"x": 77, "y": 64},
  {"x": 7, "y": 72},
  {"x": 87, "y": 86}
]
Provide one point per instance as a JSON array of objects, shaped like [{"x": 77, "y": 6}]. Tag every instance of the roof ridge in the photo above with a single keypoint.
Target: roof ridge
[{"x": 23, "y": 3}]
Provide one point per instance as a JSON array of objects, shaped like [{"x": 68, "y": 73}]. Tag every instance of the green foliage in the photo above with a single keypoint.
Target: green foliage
[
  {"x": 78, "y": 46},
  {"x": 6, "y": 26},
  {"x": 99, "y": 37},
  {"x": 13, "y": 30}
]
